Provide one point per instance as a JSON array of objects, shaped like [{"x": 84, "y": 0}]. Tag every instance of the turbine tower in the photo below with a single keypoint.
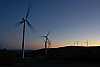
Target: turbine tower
[
  {"x": 77, "y": 42},
  {"x": 24, "y": 21},
  {"x": 47, "y": 42},
  {"x": 87, "y": 43},
  {"x": 74, "y": 43}
]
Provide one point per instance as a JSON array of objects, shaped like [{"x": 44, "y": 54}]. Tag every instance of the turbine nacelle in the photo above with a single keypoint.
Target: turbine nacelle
[{"x": 22, "y": 20}]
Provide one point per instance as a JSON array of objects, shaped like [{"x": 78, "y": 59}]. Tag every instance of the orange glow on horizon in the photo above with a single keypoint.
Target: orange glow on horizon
[{"x": 56, "y": 44}]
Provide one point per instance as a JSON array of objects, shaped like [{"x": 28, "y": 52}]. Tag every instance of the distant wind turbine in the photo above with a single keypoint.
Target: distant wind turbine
[
  {"x": 74, "y": 43},
  {"x": 87, "y": 43},
  {"x": 47, "y": 42},
  {"x": 77, "y": 42},
  {"x": 25, "y": 22}
]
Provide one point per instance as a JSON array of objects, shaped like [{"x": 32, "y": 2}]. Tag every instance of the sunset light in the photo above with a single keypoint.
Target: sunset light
[{"x": 70, "y": 23}]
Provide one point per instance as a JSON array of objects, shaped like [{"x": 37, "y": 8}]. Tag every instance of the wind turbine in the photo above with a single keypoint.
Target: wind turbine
[
  {"x": 47, "y": 42},
  {"x": 77, "y": 42},
  {"x": 74, "y": 43},
  {"x": 24, "y": 21},
  {"x": 87, "y": 43}
]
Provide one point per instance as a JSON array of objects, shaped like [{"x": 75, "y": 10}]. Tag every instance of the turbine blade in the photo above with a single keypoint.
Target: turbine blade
[
  {"x": 27, "y": 13},
  {"x": 28, "y": 9},
  {"x": 31, "y": 27},
  {"x": 42, "y": 36},
  {"x": 49, "y": 43},
  {"x": 19, "y": 23},
  {"x": 48, "y": 33},
  {"x": 28, "y": 23}
]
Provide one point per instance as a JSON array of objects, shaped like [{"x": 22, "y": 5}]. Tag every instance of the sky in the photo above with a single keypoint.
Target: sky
[{"x": 66, "y": 20}]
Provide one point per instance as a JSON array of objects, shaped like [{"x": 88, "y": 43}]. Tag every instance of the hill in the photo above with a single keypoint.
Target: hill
[
  {"x": 68, "y": 54},
  {"x": 71, "y": 53}
]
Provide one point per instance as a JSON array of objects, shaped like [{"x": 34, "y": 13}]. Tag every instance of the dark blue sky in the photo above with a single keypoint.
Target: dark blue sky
[{"x": 64, "y": 19}]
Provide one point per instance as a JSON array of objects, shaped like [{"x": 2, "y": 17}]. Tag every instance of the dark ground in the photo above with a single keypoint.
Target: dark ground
[{"x": 60, "y": 57}]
